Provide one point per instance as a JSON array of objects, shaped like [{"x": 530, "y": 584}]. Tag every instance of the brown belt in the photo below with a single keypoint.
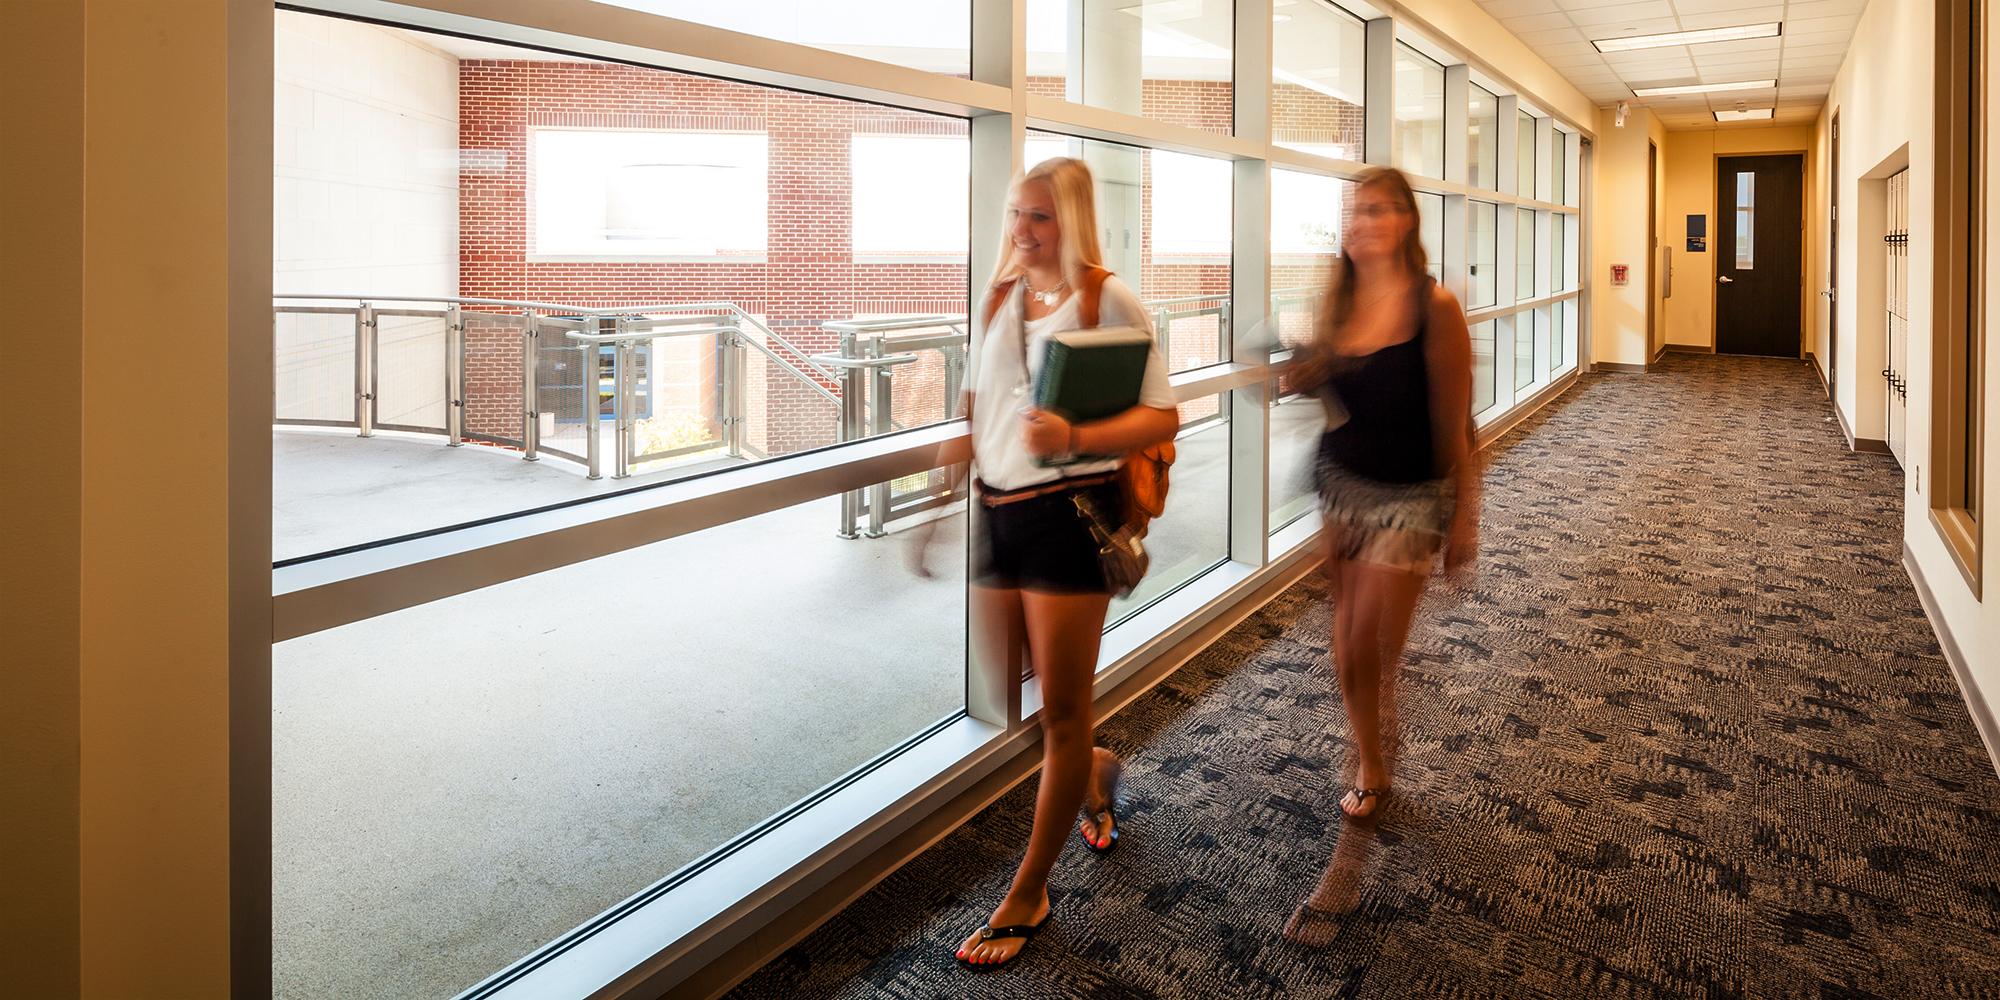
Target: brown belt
[{"x": 990, "y": 497}]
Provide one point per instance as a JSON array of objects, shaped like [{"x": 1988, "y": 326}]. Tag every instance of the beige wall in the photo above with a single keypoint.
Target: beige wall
[
  {"x": 1618, "y": 231},
  {"x": 1690, "y": 190},
  {"x": 1883, "y": 96},
  {"x": 41, "y": 194},
  {"x": 123, "y": 533}
]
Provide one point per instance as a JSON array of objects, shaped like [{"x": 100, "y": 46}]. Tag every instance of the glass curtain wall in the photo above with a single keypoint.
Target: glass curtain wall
[{"x": 683, "y": 354}]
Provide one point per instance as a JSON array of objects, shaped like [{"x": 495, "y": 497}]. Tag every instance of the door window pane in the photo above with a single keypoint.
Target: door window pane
[
  {"x": 1168, "y": 60},
  {"x": 1419, "y": 113},
  {"x": 934, "y": 35},
  {"x": 1524, "y": 155},
  {"x": 1524, "y": 254},
  {"x": 1746, "y": 220},
  {"x": 458, "y": 783},
  {"x": 1164, "y": 224},
  {"x": 1482, "y": 141},
  {"x": 1480, "y": 268},
  {"x": 1318, "y": 73}
]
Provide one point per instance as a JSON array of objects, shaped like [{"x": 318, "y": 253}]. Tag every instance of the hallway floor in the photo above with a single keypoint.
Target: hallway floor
[{"x": 1687, "y": 733}]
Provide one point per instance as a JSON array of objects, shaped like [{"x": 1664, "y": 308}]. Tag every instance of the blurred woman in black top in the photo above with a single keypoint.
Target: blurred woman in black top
[{"x": 1392, "y": 360}]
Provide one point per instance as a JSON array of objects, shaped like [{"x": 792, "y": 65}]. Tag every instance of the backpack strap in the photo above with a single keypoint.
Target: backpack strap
[
  {"x": 1090, "y": 288},
  {"x": 994, "y": 297}
]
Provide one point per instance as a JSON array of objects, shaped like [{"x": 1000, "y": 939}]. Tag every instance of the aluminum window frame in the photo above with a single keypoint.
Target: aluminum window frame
[{"x": 656, "y": 946}]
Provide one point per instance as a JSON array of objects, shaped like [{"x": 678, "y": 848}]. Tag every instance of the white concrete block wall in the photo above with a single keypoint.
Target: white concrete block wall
[{"x": 366, "y": 177}]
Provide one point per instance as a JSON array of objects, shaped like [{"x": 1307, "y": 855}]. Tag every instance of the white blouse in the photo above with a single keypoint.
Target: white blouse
[{"x": 999, "y": 448}]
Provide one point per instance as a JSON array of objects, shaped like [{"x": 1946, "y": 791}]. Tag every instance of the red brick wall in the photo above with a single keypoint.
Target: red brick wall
[{"x": 808, "y": 275}]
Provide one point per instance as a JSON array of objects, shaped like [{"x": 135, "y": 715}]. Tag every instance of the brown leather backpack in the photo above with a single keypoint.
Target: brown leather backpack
[{"x": 1142, "y": 479}]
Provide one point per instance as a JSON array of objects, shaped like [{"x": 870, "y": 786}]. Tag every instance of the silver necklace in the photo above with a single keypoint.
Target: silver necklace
[{"x": 1047, "y": 297}]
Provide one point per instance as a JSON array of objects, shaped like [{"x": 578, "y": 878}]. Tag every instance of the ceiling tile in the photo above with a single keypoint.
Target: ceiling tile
[
  {"x": 1568, "y": 52},
  {"x": 1537, "y": 22},
  {"x": 1811, "y": 63},
  {"x": 1656, "y": 12},
  {"x": 1748, "y": 62},
  {"x": 1744, "y": 45},
  {"x": 1815, "y": 50},
  {"x": 1818, "y": 38},
  {"x": 1804, "y": 25},
  {"x": 1711, "y": 6},
  {"x": 1825, "y": 8},
  {"x": 1504, "y": 9},
  {"x": 1535, "y": 39},
  {"x": 1731, "y": 18}
]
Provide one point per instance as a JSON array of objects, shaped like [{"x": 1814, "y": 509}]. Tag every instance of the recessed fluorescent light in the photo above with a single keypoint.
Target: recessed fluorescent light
[
  {"x": 1704, "y": 88},
  {"x": 1752, "y": 115},
  {"x": 1686, "y": 37}
]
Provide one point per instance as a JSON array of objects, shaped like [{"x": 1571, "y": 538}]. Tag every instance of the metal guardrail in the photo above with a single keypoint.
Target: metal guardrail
[{"x": 565, "y": 370}]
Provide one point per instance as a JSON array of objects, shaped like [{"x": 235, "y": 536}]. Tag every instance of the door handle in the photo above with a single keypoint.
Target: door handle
[{"x": 1725, "y": 280}]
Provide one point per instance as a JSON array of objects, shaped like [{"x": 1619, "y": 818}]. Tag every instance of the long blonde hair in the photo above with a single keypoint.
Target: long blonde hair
[
  {"x": 1336, "y": 304},
  {"x": 1075, "y": 195}
]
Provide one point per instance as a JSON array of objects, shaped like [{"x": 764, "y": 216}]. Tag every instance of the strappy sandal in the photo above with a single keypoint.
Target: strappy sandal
[
  {"x": 1361, "y": 797},
  {"x": 1026, "y": 932}
]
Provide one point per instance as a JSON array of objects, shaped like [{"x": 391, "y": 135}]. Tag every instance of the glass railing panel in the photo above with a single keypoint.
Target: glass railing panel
[{"x": 314, "y": 363}]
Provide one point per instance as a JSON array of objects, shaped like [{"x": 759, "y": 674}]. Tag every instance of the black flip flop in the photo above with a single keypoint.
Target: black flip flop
[
  {"x": 1361, "y": 797},
  {"x": 1026, "y": 932}
]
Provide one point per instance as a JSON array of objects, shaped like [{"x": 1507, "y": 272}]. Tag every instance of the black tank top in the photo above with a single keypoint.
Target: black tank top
[{"x": 1387, "y": 396}]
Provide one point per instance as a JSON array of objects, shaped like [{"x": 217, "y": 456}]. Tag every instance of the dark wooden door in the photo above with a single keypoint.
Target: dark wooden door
[{"x": 1759, "y": 233}]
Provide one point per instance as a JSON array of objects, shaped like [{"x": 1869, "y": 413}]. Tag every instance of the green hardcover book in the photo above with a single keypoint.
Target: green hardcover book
[{"x": 1092, "y": 374}]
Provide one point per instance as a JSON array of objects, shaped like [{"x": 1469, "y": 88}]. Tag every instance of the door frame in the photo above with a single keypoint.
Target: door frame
[
  {"x": 1715, "y": 216},
  {"x": 1655, "y": 344}
]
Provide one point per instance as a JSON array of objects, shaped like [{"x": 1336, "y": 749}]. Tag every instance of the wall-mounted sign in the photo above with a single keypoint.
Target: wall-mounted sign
[
  {"x": 1619, "y": 273},
  {"x": 1697, "y": 235}
]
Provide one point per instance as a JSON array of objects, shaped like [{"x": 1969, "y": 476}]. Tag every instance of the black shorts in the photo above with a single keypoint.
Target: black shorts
[{"x": 1043, "y": 544}]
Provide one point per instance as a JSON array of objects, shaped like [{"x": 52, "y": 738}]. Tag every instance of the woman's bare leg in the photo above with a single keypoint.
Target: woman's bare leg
[
  {"x": 1371, "y": 600},
  {"x": 1063, "y": 632}
]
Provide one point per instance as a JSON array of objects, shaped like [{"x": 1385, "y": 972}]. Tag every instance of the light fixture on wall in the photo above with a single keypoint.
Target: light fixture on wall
[
  {"x": 1741, "y": 115},
  {"x": 1622, "y": 109},
  {"x": 1730, "y": 34},
  {"x": 1703, "y": 88}
]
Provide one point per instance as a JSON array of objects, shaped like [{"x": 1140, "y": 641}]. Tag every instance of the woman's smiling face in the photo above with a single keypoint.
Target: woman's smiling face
[{"x": 1032, "y": 225}]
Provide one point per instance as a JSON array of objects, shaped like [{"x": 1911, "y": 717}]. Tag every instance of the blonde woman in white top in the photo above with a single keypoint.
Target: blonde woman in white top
[{"x": 1035, "y": 570}]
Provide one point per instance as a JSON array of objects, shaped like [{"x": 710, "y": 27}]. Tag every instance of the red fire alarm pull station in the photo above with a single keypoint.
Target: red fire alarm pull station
[{"x": 1618, "y": 273}]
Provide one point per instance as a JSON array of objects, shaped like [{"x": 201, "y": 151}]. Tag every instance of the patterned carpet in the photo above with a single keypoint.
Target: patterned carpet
[{"x": 1686, "y": 734}]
